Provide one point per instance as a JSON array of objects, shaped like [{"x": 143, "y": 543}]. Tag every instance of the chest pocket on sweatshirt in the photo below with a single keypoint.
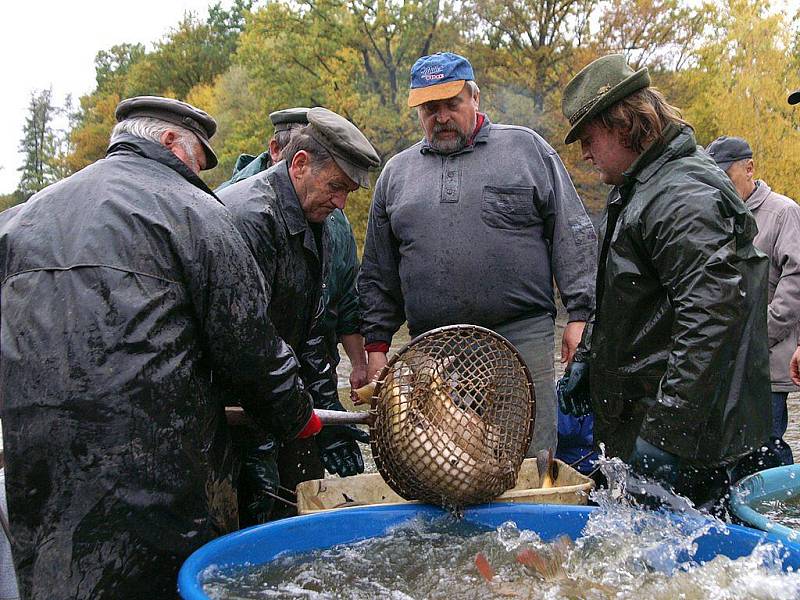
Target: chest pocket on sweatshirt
[{"x": 508, "y": 207}]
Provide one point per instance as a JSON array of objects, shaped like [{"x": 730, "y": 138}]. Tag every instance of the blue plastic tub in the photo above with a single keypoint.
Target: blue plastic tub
[
  {"x": 260, "y": 544},
  {"x": 780, "y": 483}
]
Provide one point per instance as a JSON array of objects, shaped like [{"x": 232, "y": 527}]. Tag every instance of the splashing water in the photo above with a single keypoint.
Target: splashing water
[{"x": 623, "y": 552}]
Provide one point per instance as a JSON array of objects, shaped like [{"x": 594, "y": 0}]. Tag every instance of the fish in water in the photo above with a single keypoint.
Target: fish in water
[
  {"x": 548, "y": 566},
  {"x": 547, "y": 468}
]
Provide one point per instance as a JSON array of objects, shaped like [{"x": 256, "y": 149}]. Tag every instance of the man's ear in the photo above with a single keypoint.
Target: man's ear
[
  {"x": 274, "y": 150},
  {"x": 301, "y": 162},
  {"x": 750, "y": 168},
  {"x": 168, "y": 139}
]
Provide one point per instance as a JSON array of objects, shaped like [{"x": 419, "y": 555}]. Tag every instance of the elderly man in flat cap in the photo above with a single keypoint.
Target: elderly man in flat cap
[
  {"x": 282, "y": 213},
  {"x": 471, "y": 225},
  {"x": 676, "y": 362},
  {"x": 342, "y": 318},
  {"x": 125, "y": 287},
  {"x": 778, "y": 220}
]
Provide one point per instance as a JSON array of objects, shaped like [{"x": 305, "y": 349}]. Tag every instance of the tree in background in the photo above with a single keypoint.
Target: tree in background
[
  {"x": 729, "y": 67},
  {"x": 740, "y": 89},
  {"x": 352, "y": 57},
  {"x": 193, "y": 53},
  {"x": 39, "y": 144}
]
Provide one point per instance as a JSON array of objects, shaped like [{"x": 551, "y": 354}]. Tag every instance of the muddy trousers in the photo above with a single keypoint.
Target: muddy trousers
[{"x": 534, "y": 339}]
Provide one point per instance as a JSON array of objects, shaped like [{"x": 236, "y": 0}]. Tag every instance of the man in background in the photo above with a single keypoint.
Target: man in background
[{"x": 778, "y": 220}]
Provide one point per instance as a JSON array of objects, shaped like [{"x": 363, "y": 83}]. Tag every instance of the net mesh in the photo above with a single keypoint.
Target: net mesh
[{"x": 454, "y": 412}]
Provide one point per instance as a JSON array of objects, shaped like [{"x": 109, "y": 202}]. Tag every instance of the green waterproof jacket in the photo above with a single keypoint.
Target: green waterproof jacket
[
  {"x": 342, "y": 316},
  {"x": 246, "y": 166},
  {"x": 678, "y": 349},
  {"x": 339, "y": 292}
]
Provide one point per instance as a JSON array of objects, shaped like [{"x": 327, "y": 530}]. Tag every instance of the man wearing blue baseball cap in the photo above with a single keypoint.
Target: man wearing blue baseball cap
[{"x": 471, "y": 225}]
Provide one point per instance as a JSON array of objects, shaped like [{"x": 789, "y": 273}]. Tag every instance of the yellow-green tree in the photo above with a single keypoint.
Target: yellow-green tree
[
  {"x": 192, "y": 54},
  {"x": 740, "y": 89}
]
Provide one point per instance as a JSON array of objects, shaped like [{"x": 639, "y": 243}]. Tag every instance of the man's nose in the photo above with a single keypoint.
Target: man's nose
[
  {"x": 339, "y": 200},
  {"x": 442, "y": 115}
]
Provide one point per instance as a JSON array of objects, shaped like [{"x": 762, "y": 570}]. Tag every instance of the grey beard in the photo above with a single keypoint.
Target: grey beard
[{"x": 448, "y": 146}]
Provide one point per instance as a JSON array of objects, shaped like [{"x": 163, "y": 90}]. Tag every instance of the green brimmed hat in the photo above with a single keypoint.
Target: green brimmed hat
[{"x": 599, "y": 85}]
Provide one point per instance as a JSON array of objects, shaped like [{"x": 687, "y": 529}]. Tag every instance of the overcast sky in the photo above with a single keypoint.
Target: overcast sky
[
  {"x": 46, "y": 43},
  {"x": 52, "y": 43}
]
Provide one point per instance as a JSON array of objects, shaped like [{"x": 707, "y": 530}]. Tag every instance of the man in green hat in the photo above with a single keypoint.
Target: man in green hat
[
  {"x": 282, "y": 213},
  {"x": 675, "y": 362}
]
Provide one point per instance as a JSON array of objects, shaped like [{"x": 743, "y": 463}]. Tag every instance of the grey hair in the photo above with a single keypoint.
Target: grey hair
[
  {"x": 151, "y": 129},
  {"x": 473, "y": 88},
  {"x": 283, "y": 136},
  {"x": 302, "y": 140}
]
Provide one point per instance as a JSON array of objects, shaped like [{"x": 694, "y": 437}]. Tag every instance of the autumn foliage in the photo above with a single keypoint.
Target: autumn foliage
[{"x": 728, "y": 66}]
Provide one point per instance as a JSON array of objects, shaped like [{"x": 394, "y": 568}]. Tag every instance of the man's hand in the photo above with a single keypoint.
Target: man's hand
[
  {"x": 358, "y": 377},
  {"x": 794, "y": 366},
  {"x": 375, "y": 363},
  {"x": 353, "y": 344},
  {"x": 572, "y": 337}
]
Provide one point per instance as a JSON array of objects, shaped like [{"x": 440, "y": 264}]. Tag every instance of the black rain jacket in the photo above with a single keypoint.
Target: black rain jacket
[
  {"x": 294, "y": 258},
  {"x": 130, "y": 308},
  {"x": 678, "y": 348}
]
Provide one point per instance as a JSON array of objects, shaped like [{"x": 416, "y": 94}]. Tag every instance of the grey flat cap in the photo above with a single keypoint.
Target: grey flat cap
[
  {"x": 349, "y": 147},
  {"x": 173, "y": 111},
  {"x": 284, "y": 119},
  {"x": 727, "y": 150}
]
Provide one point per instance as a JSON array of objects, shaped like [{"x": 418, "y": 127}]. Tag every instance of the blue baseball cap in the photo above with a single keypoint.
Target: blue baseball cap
[{"x": 438, "y": 76}]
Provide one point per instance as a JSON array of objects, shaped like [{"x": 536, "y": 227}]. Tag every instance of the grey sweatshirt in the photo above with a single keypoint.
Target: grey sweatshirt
[
  {"x": 778, "y": 219},
  {"x": 475, "y": 237}
]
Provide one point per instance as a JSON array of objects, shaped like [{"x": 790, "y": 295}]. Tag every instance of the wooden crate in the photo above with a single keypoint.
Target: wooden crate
[{"x": 571, "y": 487}]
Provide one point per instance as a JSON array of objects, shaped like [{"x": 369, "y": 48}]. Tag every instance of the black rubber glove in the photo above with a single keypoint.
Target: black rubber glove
[
  {"x": 259, "y": 475},
  {"x": 572, "y": 390},
  {"x": 339, "y": 451}
]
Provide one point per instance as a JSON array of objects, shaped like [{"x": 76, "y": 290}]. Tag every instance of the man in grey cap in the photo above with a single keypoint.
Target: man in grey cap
[
  {"x": 131, "y": 308},
  {"x": 281, "y": 213},
  {"x": 778, "y": 220},
  {"x": 676, "y": 360},
  {"x": 342, "y": 319},
  {"x": 283, "y": 122},
  {"x": 472, "y": 225}
]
